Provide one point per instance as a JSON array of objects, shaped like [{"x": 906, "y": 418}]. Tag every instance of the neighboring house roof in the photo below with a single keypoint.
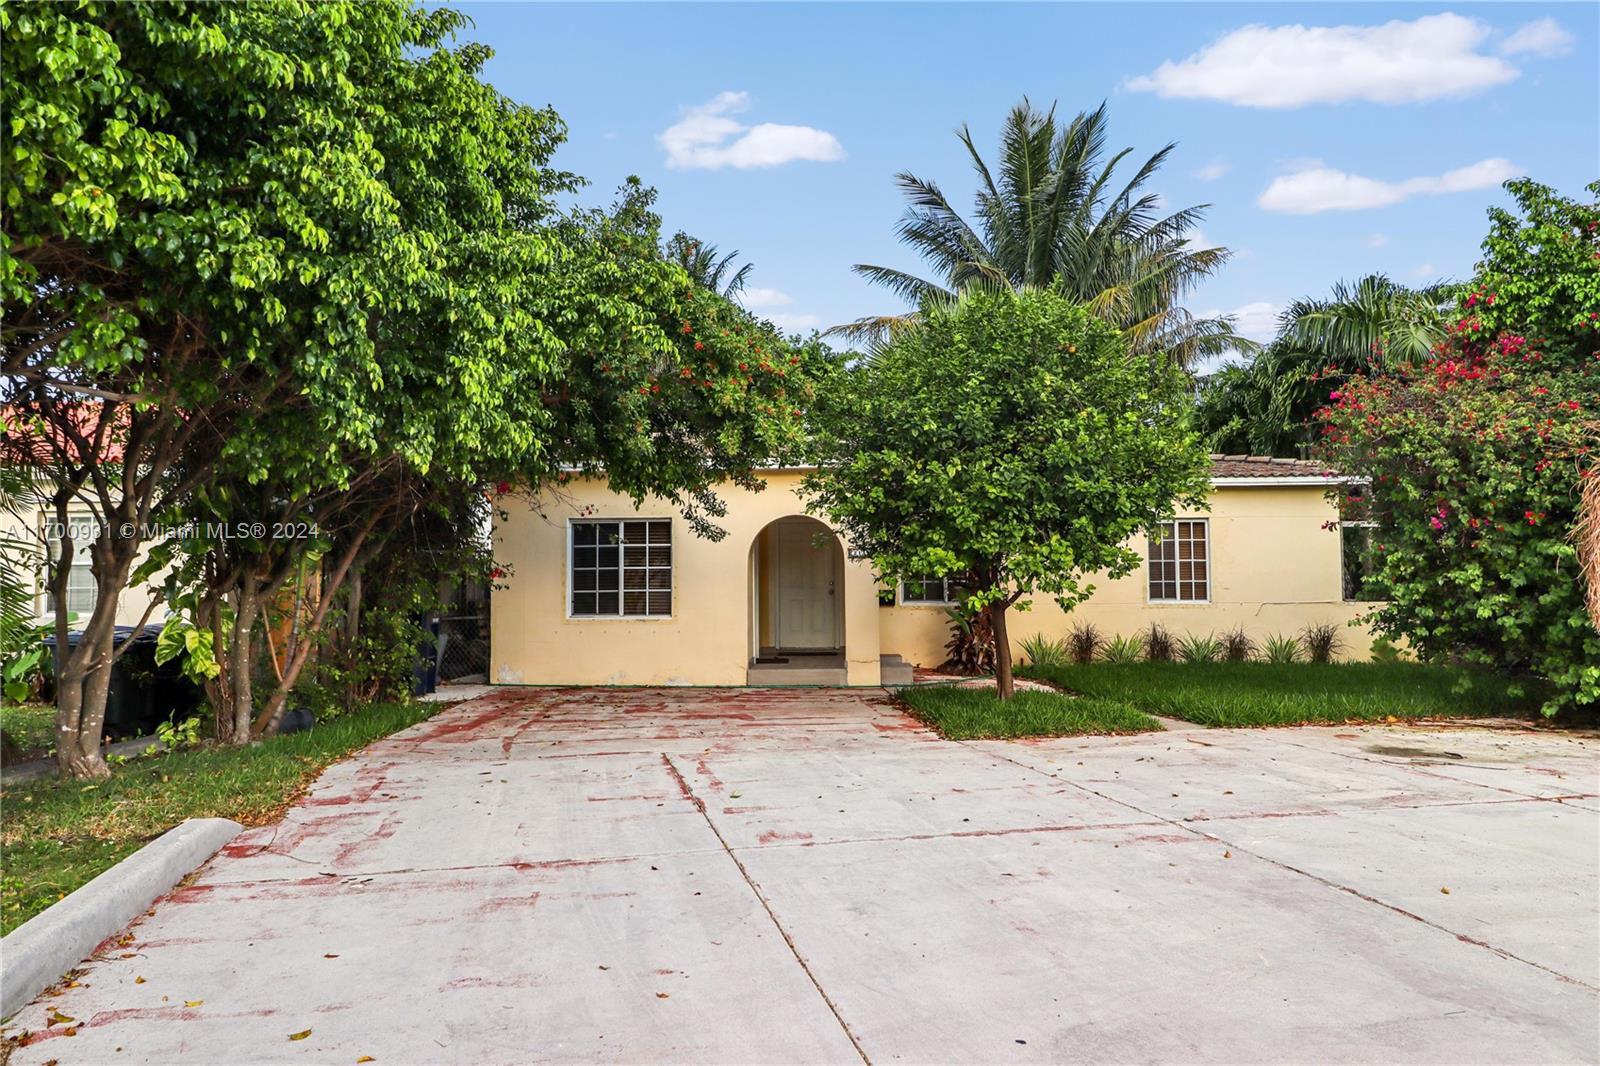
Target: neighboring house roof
[
  {"x": 22, "y": 437},
  {"x": 1247, "y": 469}
]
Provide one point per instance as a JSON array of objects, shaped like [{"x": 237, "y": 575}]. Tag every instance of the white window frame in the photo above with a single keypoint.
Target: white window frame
[
  {"x": 672, "y": 569},
  {"x": 81, "y": 564},
  {"x": 900, "y": 596},
  {"x": 1210, "y": 561}
]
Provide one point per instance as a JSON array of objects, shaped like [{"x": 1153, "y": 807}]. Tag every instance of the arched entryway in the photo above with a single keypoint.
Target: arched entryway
[{"x": 796, "y": 604}]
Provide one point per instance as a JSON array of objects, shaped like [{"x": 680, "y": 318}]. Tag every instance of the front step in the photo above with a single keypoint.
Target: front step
[
  {"x": 767, "y": 674},
  {"x": 895, "y": 671}
]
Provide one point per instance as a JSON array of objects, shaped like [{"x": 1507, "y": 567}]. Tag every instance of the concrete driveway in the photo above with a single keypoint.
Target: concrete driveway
[{"x": 766, "y": 876}]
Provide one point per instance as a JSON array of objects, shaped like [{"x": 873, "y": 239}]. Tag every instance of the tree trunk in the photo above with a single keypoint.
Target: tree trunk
[
  {"x": 246, "y": 606},
  {"x": 1002, "y": 650},
  {"x": 85, "y": 673}
]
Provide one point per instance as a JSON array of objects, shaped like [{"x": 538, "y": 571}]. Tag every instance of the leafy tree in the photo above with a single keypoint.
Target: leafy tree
[
  {"x": 1265, "y": 406},
  {"x": 1011, "y": 438},
  {"x": 699, "y": 260},
  {"x": 1054, "y": 212},
  {"x": 1477, "y": 456}
]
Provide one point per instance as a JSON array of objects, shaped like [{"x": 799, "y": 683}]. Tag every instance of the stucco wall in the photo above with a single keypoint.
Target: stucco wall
[
  {"x": 707, "y": 641},
  {"x": 25, "y": 524},
  {"x": 1274, "y": 569}
]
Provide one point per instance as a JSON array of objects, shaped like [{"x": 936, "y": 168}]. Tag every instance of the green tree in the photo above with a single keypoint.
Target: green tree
[
  {"x": 1477, "y": 456},
  {"x": 1011, "y": 438},
  {"x": 700, "y": 261},
  {"x": 1054, "y": 212},
  {"x": 1266, "y": 405}
]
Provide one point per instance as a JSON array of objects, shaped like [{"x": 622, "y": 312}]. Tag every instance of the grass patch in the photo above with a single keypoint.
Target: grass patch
[
  {"x": 1259, "y": 694},
  {"x": 978, "y": 714},
  {"x": 56, "y": 835},
  {"x": 31, "y": 725}
]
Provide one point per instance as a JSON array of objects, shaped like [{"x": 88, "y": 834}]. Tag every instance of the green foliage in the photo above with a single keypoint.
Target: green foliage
[
  {"x": 1197, "y": 649},
  {"x": 1011, "y": 438},
  {"x": 1054, "y": 213},
  {"x": 977, "y": 714},
  {"x": 1476, "y": 455},
  {"x": 1385, "y": 651},
  {"x": 701, "y": 262},
  {"x": 1280, "y": 649},
  {"x": 181, "y": 637},
  {"x": 971, "y": 647},
  {"x": 1121, "y": 649},
  {"x": 1258, "y": 694},
  {"x": 1267, "y": 405},
  {"x": 1042, "y": 651},
  {"x": 175, "y": 735},
  {"x": 1085, "y": 642}
]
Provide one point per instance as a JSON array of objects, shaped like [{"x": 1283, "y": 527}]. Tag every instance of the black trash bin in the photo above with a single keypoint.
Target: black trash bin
[{"x": 142, "y": 694}]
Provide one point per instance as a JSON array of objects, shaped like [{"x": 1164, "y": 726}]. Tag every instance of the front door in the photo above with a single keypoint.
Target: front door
[{"x": 807, "y": 580}]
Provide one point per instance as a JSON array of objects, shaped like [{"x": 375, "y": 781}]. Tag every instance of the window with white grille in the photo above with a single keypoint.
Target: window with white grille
[
  {"x": 927, "y": 588},
  {"x": 1180, "y": 562},
  {"x": 621, "y": 569}
]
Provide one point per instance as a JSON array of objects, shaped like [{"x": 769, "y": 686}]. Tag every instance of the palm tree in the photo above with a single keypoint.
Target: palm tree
[
  {"x": 1265, "y": 406},
  {"x": 1054, "y": 213},
  {"x": 704, "y": 268},
  {"x": 1374, "y": 319}
]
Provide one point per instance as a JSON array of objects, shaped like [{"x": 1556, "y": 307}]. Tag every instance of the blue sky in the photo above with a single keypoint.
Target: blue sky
[{"x": 1331, "y": 140}]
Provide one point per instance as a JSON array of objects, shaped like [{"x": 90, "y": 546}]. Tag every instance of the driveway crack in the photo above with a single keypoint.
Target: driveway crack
[
  {"x": 700, "y": 805},
  {"x": 1189, "y": 827}
]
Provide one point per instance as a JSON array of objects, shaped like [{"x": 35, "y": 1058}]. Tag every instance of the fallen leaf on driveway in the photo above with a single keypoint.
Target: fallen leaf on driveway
[
  {"x": 735, "y": 795},
  {"x": 365, "y": 1058},
  {"x": 57, "y": 1018},
  {"x": 330, "y": 956},
  {"x": 1227, "y": 855},
  {"x": 663, "y": 995},
  {"x": 193, "y": 1002},
  {"x": 301, "y": 1035},
  {"x": 1446, "y": 891},
  {"x": 138, "y": 980}
]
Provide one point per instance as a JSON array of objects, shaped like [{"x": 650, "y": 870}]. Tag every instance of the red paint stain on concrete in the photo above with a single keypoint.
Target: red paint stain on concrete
[{"x": 772, "y": 836}]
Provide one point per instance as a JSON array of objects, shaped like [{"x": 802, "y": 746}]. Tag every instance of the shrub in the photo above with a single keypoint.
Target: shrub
[
  {"x": 1121, "y": 649},
  {"x": 1384, "y": 650},
  {"x": 1084, "y": 642},
  {"x": 970, "y": 649},
  {"x": 1321, "y": 642},
  {"x": 1193, "y": 649},
  {"x": 1159, "y": 647},
  {"x": 1044, "y": 652},
  {"x": 1237, "y": 647},
  {"x": 1476, "y": 456},
  {"x": 1281, "y": 648}
]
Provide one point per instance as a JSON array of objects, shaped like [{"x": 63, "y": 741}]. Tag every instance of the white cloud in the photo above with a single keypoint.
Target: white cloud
[
  {"x": 1377, "y": 240},
  {"x": 1425, "y": 271},
  {"x": 756, "y": 297},
  {"x": 795, "y": 323},
  {"x": 1258, "y": 320},
  {"x": 1432, "y": 57},
  {"x": 1318, "y": 188},
  {"x": 1542, "y": 37},
  {"x": 708, "y": 137},
  {"x": 1212, "y": 170}
]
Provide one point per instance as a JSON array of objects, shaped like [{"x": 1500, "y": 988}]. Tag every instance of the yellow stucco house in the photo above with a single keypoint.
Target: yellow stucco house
[{"x": 600, "y": 593}]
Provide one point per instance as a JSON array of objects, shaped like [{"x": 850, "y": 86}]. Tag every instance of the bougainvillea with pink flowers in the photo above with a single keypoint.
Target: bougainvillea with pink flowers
[{"x": 1474, "y": 458}]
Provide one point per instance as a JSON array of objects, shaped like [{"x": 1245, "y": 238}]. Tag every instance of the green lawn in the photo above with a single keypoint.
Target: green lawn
[
  {"x": 31, "y": 725},
  {"x": 1256, "y": 694},
  {"x": 976, "y": 714},
  {"x": 56, "y": 835}
]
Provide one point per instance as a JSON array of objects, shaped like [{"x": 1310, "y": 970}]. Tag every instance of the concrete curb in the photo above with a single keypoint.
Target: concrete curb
[{"x": 47, "y": 945}]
